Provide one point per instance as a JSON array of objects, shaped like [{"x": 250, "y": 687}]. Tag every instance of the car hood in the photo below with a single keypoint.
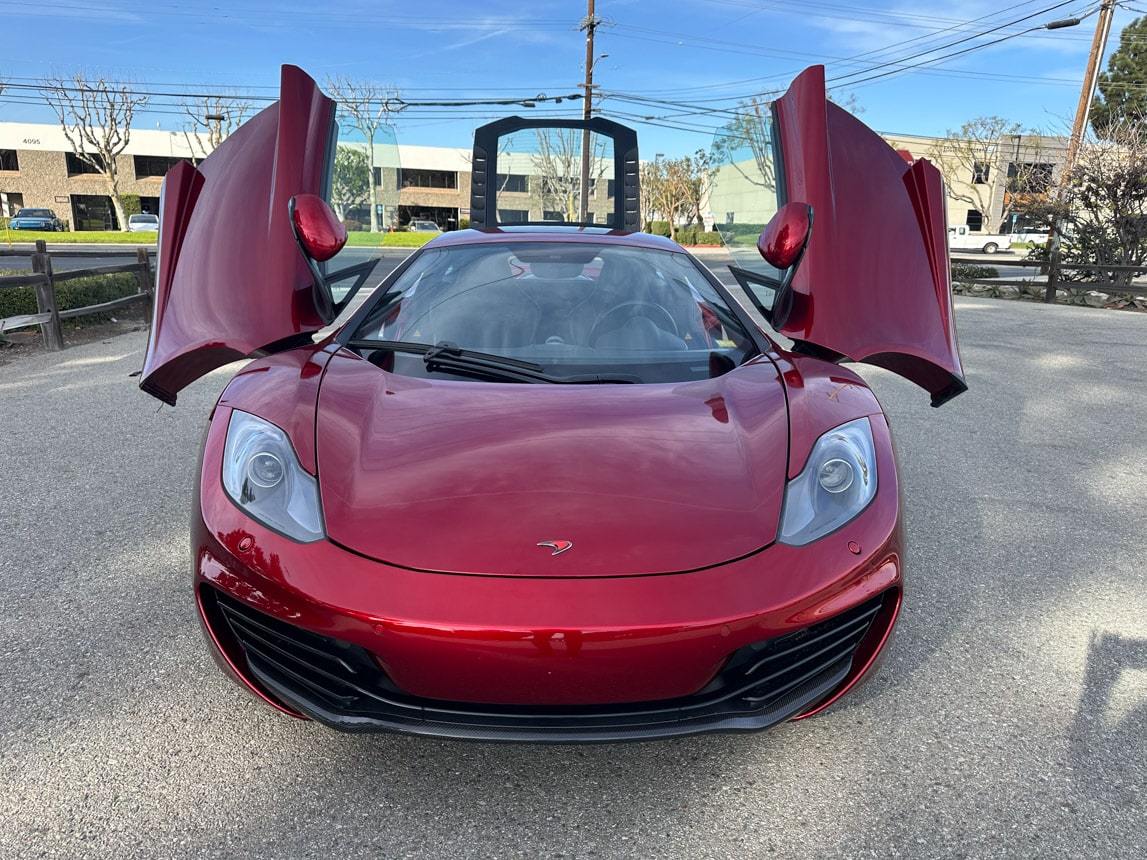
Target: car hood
[{"x": 475, "y": 477}]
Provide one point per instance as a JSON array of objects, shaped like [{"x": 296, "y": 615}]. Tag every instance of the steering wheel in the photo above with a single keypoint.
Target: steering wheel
[{"x": 660, "y": 311}]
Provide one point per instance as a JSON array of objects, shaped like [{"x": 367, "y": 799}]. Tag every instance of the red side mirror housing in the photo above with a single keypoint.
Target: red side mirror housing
[
  {"x": 784, "y": 238},
  {"x": 317, "y": 229}
]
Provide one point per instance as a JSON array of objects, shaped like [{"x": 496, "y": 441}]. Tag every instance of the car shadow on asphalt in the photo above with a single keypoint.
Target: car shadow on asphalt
[{"x": 1111, "y": 719}]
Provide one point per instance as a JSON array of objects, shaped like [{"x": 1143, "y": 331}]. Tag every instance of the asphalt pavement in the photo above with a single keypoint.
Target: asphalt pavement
[{"x": 1008, "y": 720}]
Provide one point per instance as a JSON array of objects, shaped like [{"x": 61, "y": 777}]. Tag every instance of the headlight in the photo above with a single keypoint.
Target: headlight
[
  {"x": 263, "y": 477},
  {"x": 836, "y": 484}
]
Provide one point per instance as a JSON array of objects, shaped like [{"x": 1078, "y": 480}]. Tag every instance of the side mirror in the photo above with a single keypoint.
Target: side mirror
[
  {"x": 316, "y": 227},
  {"x": 320, "y": 235},
  {"x": 782, "y": 243},
  {"x": 785, "y": 237}
]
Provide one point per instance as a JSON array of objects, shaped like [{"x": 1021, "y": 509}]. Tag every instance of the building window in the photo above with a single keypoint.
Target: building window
[
  {"x": 609, "y": 187},
  {"x": 975, "y": 220},
  {"x": 11, "y": 202},
  {"x": 518, "y": 183},
  {"x": 980, "y": 173},
  {"x": 153, "y": 165},
  {"x": 428, "y": 178},
  {"x": 77, "y": 166},
  {"x": 378, "y": 177},
  {"x": 513, "y": 216},
  {"x": 1029, "y": 177},
  {"x": 9, "y": 160},
  {"x": 93, "y": 212},
  {"x": 553, "y": 215}
]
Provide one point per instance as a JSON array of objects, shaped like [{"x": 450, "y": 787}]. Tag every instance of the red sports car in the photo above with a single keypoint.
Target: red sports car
[{"x": 550, "y": 483}]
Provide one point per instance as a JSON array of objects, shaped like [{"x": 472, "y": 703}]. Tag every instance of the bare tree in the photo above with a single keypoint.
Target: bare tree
[
  {"x": 96, "y": 117},
  {"x": 211, "y": 120},
  {"x": 990, "y": 159},
  {"x": 557, "y": 166},
  {"x": 1102, "y": 210},
  {"x": 747, "y": 136},
  {"x": 366, "y": 106}
]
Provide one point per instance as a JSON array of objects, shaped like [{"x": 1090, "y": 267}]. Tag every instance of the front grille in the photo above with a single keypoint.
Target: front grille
[{"x": 341, "y": 684}]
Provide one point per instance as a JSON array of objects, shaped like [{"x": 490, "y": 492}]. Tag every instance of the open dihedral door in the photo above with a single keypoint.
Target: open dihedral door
[
  {"x": 230, "y": 279},
  {"x": 873, "y": 284}
]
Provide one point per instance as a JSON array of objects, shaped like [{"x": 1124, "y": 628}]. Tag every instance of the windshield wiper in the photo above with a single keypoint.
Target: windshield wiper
[
  {"x": 451, "y": 358},
  {"x": 446, "y": 357}
]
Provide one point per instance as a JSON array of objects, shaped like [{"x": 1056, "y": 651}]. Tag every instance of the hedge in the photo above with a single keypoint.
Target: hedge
[
  {"x": 80, "y": 293},
  {"x": 973, "y": 272},
  {"x": 691, "y": 235}
]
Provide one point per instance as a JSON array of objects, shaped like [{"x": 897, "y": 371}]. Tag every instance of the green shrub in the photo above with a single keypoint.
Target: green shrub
[
  {"x": 79, "y": 293},
  {"x": 15, "y": 301},
  {"x": 463, "y": 223},
  {"x": 971, "y": 272},
  {"x": 658, "y": 228},
  {"x": 131, "y": 204}
]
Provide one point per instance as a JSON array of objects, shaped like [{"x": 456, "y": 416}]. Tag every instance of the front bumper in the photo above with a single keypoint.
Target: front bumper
[
  {"x": 321, "y": 632},
  {"x": 344, "y": 686}
]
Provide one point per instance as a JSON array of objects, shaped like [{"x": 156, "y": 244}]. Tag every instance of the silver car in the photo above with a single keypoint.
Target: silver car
[{"x": 144, "y": 223}]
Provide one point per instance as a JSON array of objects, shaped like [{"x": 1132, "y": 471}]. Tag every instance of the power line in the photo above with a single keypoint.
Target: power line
[{"x": 901, "y": 60}]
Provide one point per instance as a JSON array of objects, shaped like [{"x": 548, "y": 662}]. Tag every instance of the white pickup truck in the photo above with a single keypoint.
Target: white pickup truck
[{"x": 962, "y": 239}]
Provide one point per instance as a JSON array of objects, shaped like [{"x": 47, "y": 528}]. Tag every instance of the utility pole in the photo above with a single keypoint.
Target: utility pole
[
  {"x": 589, "y": 25},
  {"x": 1078, "y": 130}
]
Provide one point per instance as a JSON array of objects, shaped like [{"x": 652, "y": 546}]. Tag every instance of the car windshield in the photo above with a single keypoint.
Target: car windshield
[
  {"x": 34, "y": 213},
  {"x": 143, "y": 219},
  {"x": 574, "y": 310}
]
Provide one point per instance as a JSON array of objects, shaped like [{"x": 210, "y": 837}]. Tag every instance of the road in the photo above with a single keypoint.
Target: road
[
  {"x": 1008, "y": 720},
  {"x": 998, "y": 261}
]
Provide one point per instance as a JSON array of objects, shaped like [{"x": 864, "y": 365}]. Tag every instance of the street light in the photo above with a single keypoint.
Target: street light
[{"x": 214, "y": 123}]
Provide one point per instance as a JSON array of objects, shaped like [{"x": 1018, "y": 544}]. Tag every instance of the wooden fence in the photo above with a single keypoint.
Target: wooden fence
[
  {"x": 1052, "y": 285},
  {"x": 43, "y": 279}
]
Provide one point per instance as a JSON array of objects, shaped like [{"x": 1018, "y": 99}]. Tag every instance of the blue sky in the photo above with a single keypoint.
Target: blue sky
[{"x": 707, "y": 54}]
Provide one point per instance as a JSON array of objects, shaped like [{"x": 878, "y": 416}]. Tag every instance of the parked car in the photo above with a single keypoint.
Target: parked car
[
  {"x": 961, "y": 238},
  {"x": 36, "y": 219},
  {"x": 143, "y": 223},
  {"x": 424, "y": 227},
  {"x": 549, "y": 484},
  {"x": 1031, "y": 234}
]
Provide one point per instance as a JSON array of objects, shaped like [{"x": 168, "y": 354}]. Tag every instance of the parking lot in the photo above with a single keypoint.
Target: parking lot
[{"x": 1009, "y": 719}]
